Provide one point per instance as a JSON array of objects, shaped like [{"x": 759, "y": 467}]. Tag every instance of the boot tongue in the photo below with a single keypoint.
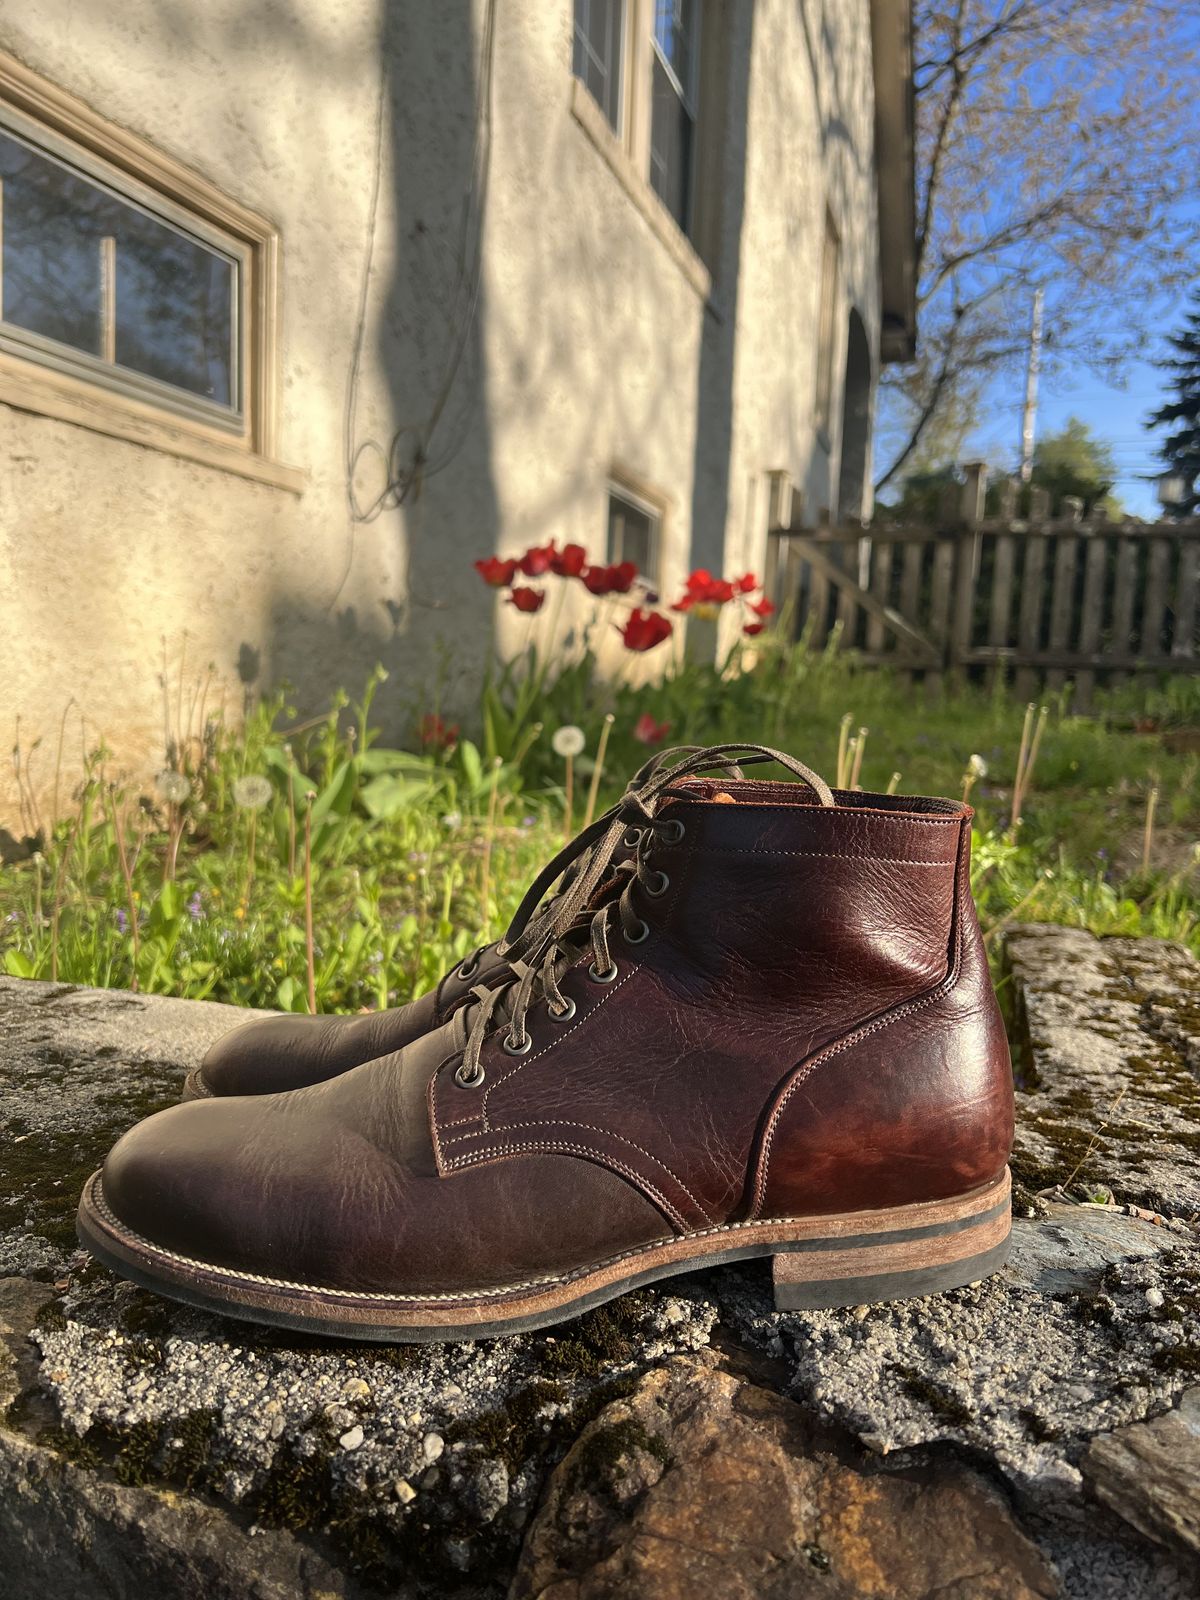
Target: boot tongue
[{"x": 711, "y": 789}]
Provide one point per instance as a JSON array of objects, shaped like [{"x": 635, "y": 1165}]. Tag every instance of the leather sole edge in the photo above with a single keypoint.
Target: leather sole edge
[
  {"x": 195, "y": 1088},
  {"x": 851, "y": 1258}
]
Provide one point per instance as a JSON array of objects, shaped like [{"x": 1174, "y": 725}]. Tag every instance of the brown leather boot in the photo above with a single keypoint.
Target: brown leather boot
[
  {"x": 272, "y": 1054},
  {"x": 775, "y": 1034}
]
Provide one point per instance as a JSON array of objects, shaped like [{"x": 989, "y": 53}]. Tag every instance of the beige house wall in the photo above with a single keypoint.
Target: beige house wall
[{"x": 600, "y": 341}]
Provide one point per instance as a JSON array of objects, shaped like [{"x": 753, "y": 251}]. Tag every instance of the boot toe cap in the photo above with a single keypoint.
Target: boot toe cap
[{"x": 214, "y": 1182}]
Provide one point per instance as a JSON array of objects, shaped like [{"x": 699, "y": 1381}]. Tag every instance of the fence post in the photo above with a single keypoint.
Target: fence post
[
  {"x": 974, "y": 497},
  {"x": 974, "y": 493}
]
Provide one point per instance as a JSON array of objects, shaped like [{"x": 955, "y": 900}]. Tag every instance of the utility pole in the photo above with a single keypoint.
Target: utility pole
[{"x": 1029, "y": 414}]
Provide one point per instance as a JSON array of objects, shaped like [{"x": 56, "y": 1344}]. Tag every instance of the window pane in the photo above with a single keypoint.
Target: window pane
[
  {"x": 675, "y": 35},
  {"x": 173, "y": 296},
  {"x": 670, "y": 146},
  {"x": 174, "y": 309},
  {"x": 597, "y": 60},
  {"x": 51, "y": 260},
  {"x": 632, "y": 536}
]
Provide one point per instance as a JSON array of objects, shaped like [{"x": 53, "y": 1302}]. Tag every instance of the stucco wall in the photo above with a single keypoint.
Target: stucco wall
[
  {"x": 810, "y": 147},
  {"x": 590, "y": 347}
]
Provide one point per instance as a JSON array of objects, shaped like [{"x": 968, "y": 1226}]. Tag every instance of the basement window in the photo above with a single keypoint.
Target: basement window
[
  {"x": 98, "y": 285},
  {"x": 634, "y": 526},
  {"x": 136, "y": 298}
]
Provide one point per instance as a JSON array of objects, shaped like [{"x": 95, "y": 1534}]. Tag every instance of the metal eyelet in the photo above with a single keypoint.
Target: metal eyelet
[
  {"x": 467, "y": 970},
  {"x": 602, "y": 977},
  {"x": 567, "y": 1012},
  {"x": 466, "y": 1079},
  {"x": 673, "y": 832},
  {"x": 640, "y": 936},
  {"x": 511, "y": 1049},
  {"x": 633, "y": 838},
  {"x": 658, "y": 886}
]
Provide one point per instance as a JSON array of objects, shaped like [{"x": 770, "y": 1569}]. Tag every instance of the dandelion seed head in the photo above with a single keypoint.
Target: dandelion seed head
[
  {"x": 568, "y": 741},
  {"x": 172, "y": 787},
  {"x": 251, "y": 792}
]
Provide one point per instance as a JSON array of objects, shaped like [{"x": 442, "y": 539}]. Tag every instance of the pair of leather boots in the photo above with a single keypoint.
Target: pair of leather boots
[{"x": 755, "y": 1020}]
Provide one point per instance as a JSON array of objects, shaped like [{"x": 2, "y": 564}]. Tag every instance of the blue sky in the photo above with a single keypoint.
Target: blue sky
[{"x": 1116, "y": 415}]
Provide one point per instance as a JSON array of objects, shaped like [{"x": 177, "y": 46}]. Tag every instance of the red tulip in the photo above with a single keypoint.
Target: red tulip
[
  {"x": 617, "y": 579},
  {"x": 569, "y": 562},
  {"x": 647, "y": 731},
  {"x": 527, "y": 599},
  {"x": 746, "y": 584},
  {"x": 645, "y": 629},
  {"x": 753, "y": 628},
  {"x": 702, "y": 588},
  {"x": 496, "y": 571},
  {"x": 761, "y": 608},
  {"x": 538, "y": 560},
  {"x": 436, "y": 734}
]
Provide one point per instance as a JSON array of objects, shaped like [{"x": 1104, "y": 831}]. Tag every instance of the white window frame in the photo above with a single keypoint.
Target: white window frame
[
  {"x": 689, "y": 99},
  {"x": 42, "y": 375},
  {"x": 626, "y": 150},
  {"x": 621, "y": 67},
  {"x": 618, "y": 489}
]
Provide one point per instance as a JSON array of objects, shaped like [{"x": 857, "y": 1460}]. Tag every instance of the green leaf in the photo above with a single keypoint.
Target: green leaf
[
  {"x": 17, "y": 965},
  {"x": 338, "y": 794},
  {"x": 376, "y": 761},
  {"x": 385, "y": 797},
  {"x": 290, "y": 995},
  {"x": 472, "y": 766}
]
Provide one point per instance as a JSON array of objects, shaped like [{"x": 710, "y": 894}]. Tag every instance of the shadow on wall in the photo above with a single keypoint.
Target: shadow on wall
[
  {"x": 417, "y": 414},
  {"x": 853, "y": 495},
  {"x": 714, "y": 389}
]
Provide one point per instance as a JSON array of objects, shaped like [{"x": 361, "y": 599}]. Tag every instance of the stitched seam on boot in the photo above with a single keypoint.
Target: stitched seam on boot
[
  {"x": 821, "y": 855},
  {"x": 549, "y": 1280},
  {"x": 802, "y": 1073},
  {"x": 539, "y": 1146},
  {"x": 588, "y": 1127}
]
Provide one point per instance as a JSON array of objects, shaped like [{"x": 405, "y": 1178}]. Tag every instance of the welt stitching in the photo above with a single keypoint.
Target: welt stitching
[
  {"x": 805, "y": 1072},
  {"x": 823, "y": 855},
  {"x": 588, "y": 1127},
  {"x": 120, "y": 1231},
  {"x": 533, "y": 1146}
]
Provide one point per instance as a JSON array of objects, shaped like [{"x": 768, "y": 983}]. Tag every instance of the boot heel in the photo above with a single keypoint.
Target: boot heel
[{"x": 898, "y": 1253}]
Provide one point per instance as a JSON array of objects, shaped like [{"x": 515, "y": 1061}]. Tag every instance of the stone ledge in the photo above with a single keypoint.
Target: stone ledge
[{"x": 151, "y": 1445}]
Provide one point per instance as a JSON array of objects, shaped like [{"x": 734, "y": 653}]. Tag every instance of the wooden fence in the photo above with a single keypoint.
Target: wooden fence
[{"x": 1045, "y": 599}]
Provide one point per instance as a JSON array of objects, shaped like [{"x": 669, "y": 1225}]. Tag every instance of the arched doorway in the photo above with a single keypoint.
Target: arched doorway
[{"x": 854, "y": 498}]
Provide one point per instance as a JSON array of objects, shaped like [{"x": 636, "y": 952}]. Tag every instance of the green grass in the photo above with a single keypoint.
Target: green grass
[{"x": 417, "y": 858}]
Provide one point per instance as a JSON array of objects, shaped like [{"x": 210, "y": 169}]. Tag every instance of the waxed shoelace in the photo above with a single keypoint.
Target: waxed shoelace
[{"x": 547, "y": 939}]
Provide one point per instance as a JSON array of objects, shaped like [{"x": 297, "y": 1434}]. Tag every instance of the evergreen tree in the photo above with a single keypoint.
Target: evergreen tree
[{"x": 1181, "y": 448}]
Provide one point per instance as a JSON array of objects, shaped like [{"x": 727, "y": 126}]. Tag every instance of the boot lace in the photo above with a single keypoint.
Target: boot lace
[{"x": 543, "y": 941}]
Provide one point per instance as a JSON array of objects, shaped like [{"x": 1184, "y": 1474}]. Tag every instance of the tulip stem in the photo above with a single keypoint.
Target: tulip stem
[
  {"x": 485, "y": 891},
  {"x": 598, "y": 770},
  {"x": 310, "y": 966}
]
